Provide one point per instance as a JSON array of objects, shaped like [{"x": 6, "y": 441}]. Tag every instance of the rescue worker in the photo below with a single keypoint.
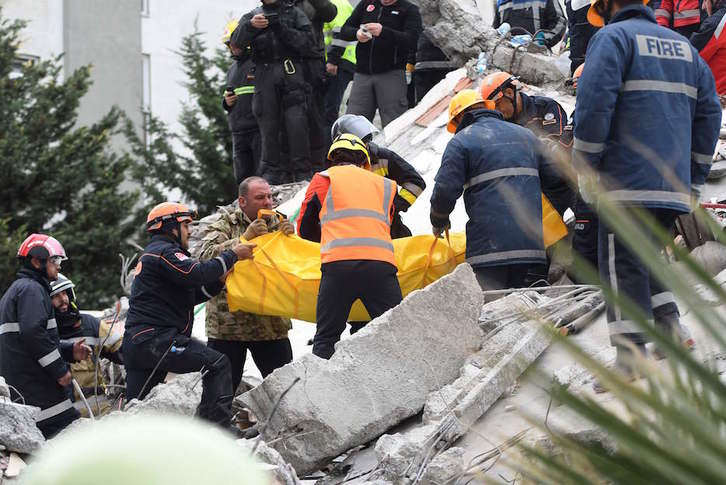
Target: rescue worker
[
  {"x": 167, "y": 286},
  {"x": 542, "y": 115},
  {"x": 74, "y": 326},
  {"x": 430, "y": 68},
  {"x": 280, "y": 36},
  {"x": 542, "y": 19},
  {"x": 710, "y": 40},
  {"x": 498, "y": 166},
  {"x": 233, "y": 334},
  {"x": 580, "y": 31},
  {"x": 386, "y": 163},
  {"x": 355, "y": 241},
  {"x": 237, "y": 102},
  {"x": 386, "y": 31},
  {"x": 640, "y": 75},
  {"x": 33, "y": 361},
  {"x": 340, "y": 61},
  {"x": 683, "y": 16},
  {"x": 318, "y": 12}
]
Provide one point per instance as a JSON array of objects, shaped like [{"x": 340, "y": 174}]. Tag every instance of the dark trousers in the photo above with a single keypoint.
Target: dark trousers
[
  {"x": 267, "y": 354},
  {"x": 342, "y": 283},
  {"x": 629, "y": 277},
  {"x": 334, "y": 94},
  {"x": 280, "y": 107},
  {"x": 585, "y": 237},
  {"x": 503, "y": 277},
  {"x": 245, "y": 154},
  {"x": 424, "y": 80},
  {"x": 53, "y": 426},
  {"x": 144, "y": 347}
]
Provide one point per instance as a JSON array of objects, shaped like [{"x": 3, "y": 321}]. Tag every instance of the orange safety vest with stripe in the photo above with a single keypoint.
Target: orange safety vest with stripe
[{"x": 355, "y": 220}]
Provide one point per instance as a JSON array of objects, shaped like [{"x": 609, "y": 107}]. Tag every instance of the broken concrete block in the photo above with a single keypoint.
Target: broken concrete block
[
  {"x": 712, "y": 256},
  {"x": 4, "y": 389},
  {"x": 375, "y": 379},
  {"x": 178, "y": 396},
  {"x": 397, "y": 453},
  {"x": 457, "y": 28},
  {"x": 284, "y": 473},
  {"x": 445, "y": 467},
  {"x": 18, "y": 431}
]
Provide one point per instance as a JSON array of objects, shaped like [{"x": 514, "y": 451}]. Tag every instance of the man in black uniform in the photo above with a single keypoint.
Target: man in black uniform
[
  {"x": 167, "y": 286},
  {"x": 32, "y": 358},
  {"x": 431, "y": 66},
  {"x": 280, "y": 36},
  {"x": 237, "y": 102},
  {"x": 386, "y": 163},
  {"x": 580, "y": 31}
]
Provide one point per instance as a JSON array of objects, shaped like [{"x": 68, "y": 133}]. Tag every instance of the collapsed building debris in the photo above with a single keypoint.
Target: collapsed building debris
[
  {"x": 18, "y": 431},
  {"x": 283, "y": 473},
  {"x": 181, "y": 395},
  {"x": 377, "y": 378}
]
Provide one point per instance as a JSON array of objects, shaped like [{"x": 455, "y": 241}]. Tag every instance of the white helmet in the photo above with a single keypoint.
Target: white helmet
[{"x": 354, "y": 124}]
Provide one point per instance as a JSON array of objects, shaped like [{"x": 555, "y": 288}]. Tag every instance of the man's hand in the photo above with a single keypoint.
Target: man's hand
[
  {"x": 257, "y": 228},
  {"x": 230, "y": 98},
  {"x": 244, "y": 251},
  {"x": 259, "y": 21},
  {"x": 81, "y": 351},
  {"x": 362, "y": 36},
  {"x": 286, "y": 227},
  {"x": 374, "y": 29},
  {"x": 439, "y": 231},
  {"x": 331, "y": 69},
  {"x": 65, "y": 380}
]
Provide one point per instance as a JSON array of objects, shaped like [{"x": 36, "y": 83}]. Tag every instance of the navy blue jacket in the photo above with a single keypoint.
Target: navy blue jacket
[
  {"x": 497, "y": 165},
  {"x": 169, "y": 283},
  {"x": 580, "y": 30},
  {"x": 532, "y": 16},
  {"x": 32, "y": 358},
  {"x": 543, "y": 115},
  {"x": 647, "y": 113},
  {"x": 241, "y": 78}
]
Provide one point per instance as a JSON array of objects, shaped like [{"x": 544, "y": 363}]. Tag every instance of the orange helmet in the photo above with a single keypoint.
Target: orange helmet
[
  {"x": 166, "y": 212},
  {"x": 576, "y": 75},
  {"x": 492, "y": 86}
]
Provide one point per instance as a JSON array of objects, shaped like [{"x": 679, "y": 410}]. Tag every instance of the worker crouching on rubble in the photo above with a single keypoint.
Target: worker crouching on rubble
[
  {"x": 349, "y": 210},
  {"x": 641, "y": 79},
  {"x": 74, "y": 326},
  {"x": 234, "y": 333},
  {"x": 33, "y": 360},
  {"x": 167, "y": 285},
  {"x": 497, "y": 165}
]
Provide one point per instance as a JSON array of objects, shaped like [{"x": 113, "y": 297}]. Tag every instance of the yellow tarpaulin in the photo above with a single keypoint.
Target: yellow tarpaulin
[{"x": 284, "y": 276}]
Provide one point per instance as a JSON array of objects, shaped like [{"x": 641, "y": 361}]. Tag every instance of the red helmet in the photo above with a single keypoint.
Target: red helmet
[
  {"x": 167, "y": 212},
  {"x": 41, "y": 246}
]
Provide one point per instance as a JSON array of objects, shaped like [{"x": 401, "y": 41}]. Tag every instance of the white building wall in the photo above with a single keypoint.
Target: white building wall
[{"x": 43, "y": 36}]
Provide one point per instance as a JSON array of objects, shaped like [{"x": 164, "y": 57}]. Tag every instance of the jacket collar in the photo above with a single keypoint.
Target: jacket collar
[
  {"x": 471, "y": 116},
  {"x": 34, "y": 275},
  {"x": 529, "y": 110},
  {"x": 631, "y": 11}
]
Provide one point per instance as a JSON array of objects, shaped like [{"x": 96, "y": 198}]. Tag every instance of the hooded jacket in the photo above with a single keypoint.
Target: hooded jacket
[{"x": 647, "y": 113}]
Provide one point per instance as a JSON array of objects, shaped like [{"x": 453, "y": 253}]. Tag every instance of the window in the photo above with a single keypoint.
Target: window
[{"x": 21, "y": 61}]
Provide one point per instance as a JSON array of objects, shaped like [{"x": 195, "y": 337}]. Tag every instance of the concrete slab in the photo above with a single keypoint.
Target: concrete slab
[{"x": 18, "y": 431}]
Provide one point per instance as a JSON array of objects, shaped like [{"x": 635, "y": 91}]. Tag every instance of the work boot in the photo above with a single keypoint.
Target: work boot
[
  {"x": 682, "y": 335},
  {"x": 623, "y": 364}
]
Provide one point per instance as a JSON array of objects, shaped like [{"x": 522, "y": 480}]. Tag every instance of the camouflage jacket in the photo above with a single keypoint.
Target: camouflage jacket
[{"x": 221, "y": 323}]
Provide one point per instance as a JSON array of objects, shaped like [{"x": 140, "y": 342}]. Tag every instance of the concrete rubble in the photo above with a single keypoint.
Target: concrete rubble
[
  {"x": 18, "y": 431},
  {"x": 364, "y": 389},
  {"x": 283, "y": 473},
  {"x": 181, "y": 395}
]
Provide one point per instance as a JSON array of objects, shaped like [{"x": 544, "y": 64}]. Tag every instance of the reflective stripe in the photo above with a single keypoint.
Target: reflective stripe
[
  {"x": 51, "y": 324},
  {"x": 52, "y": 411},
  {"x": 433, "y": 65},
  {"x": 648, "y": 196},
  {"x": 719, "y": 29},
  {"x": 357, "y": 241},
  {"x": 413, "y": 188},
  {"x": 49, "y": 358},
  {"x": 204, "y": 290},
  {"x": 659, "y": 12},
  {"x": 662, "y": 86},
  {"x": 618, "y": 327},
  {"x": 244, "y": 90},
  {"x": 522, "y": 5},
  {"x": 587, "y": 147},
  {"x": 505, "y": 255},
  {"x": 9, "y": 327},
  {"x": 336, "y": 29},
  {"x": 687, "y": 14},
  {"x": 662, "y": 299},
  {"x": 224, "y": 265},
  {"x": 387, "y": 197},
  {"x": 502, "y": 172},
  {"x": 407, "y": 196},
  {"x": 341, "y": 43},
  {"x": 696, "y": 188},
  {"x": 342, "y": 214},
  {"x": 112, "y": 339},
  {"x": 578, "y": 4},
  {"x": 702, "y": 158},
  {"x": 612, "y": 271},
  {"x": 87, "y": 340}
]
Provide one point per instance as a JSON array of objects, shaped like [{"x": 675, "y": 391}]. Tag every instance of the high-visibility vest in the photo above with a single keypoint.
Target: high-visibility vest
[
  {"x": 355, "y": 219},
  {"x": 332, "y": 29}
]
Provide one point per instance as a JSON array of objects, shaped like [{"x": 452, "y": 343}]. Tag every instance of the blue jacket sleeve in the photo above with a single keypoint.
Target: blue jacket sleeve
[
  {"x": 33, "y": 321},
  {"x": 449, "y": 182},
  {"x": 706, "y": 127},
  {"x": 192, "y": 273},
  {"x": 597, "y": 95}
]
